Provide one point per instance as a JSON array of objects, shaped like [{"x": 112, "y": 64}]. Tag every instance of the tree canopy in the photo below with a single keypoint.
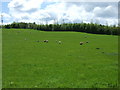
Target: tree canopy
[{"x": 78, "y": 27}]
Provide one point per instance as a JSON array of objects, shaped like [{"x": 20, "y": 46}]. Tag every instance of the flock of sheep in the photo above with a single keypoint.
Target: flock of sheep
[
  {"x": 81, "y": 43},
  {"x": 46, "y": 41},
  {"x": 59, "y": 42}
]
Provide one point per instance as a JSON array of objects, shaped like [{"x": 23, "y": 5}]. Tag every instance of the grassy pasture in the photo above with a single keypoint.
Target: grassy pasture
[{"x": 31, "y": 64}]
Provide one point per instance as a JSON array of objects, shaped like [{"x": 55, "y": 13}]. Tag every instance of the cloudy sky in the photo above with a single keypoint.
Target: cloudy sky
[{"x": 51, "y": 11}]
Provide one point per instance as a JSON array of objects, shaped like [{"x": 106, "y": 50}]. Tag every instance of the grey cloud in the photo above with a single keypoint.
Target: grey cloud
[
  {"x": 89, "y": 6},
  {"x": 31, "y": 10},
  {"x": 18, "y": 5},
  {"x": 18, "y": 9},
  {"x": 25, "y": 18},
  {"x": 107, "y": 13}
]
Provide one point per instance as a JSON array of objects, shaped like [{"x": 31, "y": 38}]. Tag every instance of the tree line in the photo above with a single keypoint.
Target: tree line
[{"x": 78, "y": 27}]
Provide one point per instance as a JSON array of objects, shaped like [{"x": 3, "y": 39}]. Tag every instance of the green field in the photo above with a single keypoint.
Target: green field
[{"x": 31, "y": 64}]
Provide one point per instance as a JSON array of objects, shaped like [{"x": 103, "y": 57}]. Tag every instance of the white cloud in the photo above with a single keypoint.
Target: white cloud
[
  {"x": 112, "y": 21},
  {"x": 6, "y": 16},
  {"x": 35, "y": 11}
]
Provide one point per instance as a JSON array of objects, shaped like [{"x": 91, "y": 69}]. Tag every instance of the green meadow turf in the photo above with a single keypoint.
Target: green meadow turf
[{"x": 31, "y": 64}]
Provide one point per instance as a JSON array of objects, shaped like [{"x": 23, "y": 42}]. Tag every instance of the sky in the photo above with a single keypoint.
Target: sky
[{"x": 53, "y": 11}]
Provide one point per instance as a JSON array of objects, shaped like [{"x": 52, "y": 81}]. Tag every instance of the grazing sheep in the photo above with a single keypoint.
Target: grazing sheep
[
  {"x": 59, "y": 42},
  {"x": 81, "y": 43},
  {"x": 46, "y": 41}
]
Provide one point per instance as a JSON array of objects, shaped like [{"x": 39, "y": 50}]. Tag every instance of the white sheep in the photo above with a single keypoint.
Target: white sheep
[
  {"x": 46, "y": 41},
  {"x": 59, "y": 42},
  {"x": 81, "y": 43}
]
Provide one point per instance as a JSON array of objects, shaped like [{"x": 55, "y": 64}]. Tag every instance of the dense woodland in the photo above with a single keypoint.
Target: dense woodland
[{"x": 78, "y": 27}]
